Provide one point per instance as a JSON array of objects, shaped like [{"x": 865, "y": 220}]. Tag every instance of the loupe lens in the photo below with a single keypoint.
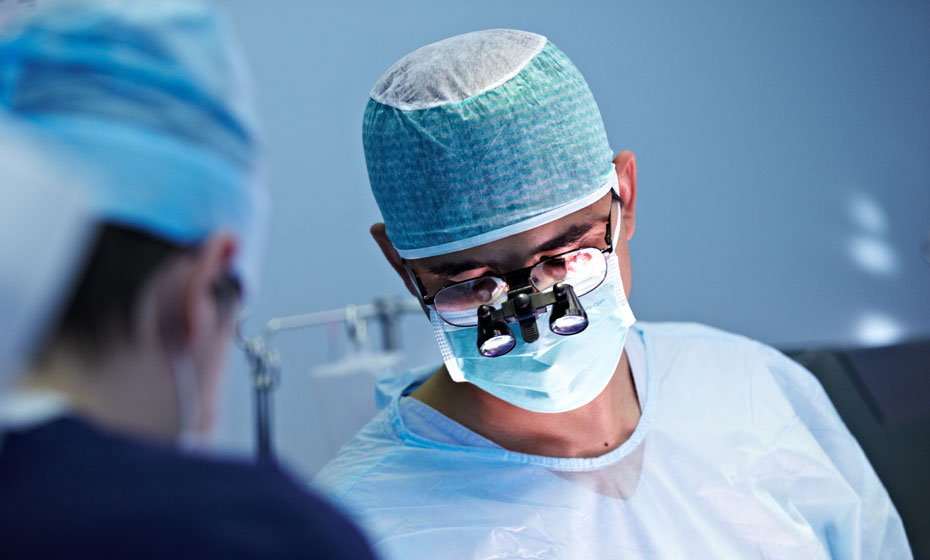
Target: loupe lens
[
  {"x": 569, "y": 324},
  {"x": 497, "y": 345}
]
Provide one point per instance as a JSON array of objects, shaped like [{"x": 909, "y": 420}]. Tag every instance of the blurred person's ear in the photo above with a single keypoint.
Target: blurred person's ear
[
  {"x": 189, "y": 314},
  {"x": 205, "y": 305}
]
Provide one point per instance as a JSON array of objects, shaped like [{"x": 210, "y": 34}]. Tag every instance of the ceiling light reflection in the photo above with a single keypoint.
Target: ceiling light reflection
[
  {"x": 877, "y": 329},
  {"x": 867, "y": 214},
  {"x": 873, "y": 255}
]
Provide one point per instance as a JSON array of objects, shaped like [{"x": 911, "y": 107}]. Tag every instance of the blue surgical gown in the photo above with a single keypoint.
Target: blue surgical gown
[{"x": 738, "y": 454}]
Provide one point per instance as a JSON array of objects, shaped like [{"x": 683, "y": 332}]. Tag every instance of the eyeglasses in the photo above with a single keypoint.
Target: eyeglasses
[{"x": 584, "y": 269}]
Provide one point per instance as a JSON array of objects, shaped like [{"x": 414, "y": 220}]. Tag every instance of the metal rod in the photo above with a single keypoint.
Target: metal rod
[
  {"x": 390, "y": 336},
  {"x": 366, "y": 311},
  {"x": 263, "y": 425}
]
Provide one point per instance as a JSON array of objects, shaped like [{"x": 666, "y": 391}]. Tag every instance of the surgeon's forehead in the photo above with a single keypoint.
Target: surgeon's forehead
[{"x": 584, "y": 225}]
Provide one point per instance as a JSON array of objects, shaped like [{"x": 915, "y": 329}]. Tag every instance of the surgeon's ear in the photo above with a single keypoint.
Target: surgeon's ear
[
  {"x": 625, "y": 162},
  {"x": 390, "y": 253}
]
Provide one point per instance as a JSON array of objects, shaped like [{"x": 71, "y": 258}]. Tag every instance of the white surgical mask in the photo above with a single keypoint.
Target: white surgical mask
[{"x": 556, "y": 373}]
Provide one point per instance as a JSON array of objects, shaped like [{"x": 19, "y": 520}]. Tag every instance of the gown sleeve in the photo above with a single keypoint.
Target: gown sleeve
[{"x": 850, "y": 507}]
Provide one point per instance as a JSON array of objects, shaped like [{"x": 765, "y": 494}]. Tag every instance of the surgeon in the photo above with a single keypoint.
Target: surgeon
[
  {"x": 147, "y": 107},
  {"x": 557, "y": 426}
]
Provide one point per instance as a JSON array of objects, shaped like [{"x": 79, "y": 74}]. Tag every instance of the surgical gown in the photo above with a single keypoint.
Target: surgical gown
[{"x": 738, "y": 454}]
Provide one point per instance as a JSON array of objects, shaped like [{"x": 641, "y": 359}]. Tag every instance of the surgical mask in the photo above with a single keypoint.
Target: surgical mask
[{"x": 556, "y": 373}]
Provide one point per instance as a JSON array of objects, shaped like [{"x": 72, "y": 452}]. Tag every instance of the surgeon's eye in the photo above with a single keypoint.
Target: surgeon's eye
[
  {"x": 457, "y": 304},
  {"x": 577, "y": 261},
  {"x": 584, "y": 269}
]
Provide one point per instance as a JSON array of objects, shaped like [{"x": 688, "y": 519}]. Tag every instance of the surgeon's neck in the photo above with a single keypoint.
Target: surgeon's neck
[{"x": 590, "y": 431}]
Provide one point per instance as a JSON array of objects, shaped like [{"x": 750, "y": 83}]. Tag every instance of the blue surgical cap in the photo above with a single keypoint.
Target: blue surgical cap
[
  {"x": 481, "y": 136},
  {"x": 154, "y": 97}
]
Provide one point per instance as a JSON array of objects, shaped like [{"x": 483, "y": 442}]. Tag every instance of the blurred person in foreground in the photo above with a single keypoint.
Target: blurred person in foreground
[
  {"x": 558, "y": 427},
  {"x": 148, "y": 100}
]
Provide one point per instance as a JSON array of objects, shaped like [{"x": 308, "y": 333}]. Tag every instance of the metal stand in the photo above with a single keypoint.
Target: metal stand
[
  {"x": 265, "y": 362},
  {"x": 266, "y": 375}
]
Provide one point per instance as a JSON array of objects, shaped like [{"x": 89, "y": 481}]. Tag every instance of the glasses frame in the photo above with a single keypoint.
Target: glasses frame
[{"x": 521, "y": 276}]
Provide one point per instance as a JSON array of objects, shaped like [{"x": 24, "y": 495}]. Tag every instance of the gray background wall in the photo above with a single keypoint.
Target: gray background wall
[{"x": 784, "y": 180}]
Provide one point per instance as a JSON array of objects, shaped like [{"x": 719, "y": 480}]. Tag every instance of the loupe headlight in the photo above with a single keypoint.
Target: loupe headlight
[
  {"x": 568, "y": 316},
  {"x": 494, "y": 336}
]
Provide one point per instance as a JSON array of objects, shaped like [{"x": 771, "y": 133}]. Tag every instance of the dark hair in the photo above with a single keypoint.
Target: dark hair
[{"x": 104, "y": 301}]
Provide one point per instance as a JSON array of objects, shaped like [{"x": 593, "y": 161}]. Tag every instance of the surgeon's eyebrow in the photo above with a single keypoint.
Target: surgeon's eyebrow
[
  {"x": 453, "y": 268},
  {"x": 569, "y": 237}
]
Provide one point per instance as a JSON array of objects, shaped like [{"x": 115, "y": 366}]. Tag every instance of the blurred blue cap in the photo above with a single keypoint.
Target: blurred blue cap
[{"x": 154, "y": 97}]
